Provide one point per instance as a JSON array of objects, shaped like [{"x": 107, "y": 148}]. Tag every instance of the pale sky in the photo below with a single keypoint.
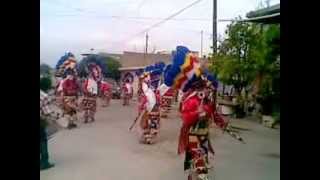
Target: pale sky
[{"x": 111, "y": 25}]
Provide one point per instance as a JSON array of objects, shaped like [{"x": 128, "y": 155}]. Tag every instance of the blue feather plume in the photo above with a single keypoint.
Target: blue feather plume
[
  {"x": 212, "y": 78},
  {"x": 139, "y": 72},
  {"x": 178, "y": 59},
  {"x": 155, "y": 70},
  {"x": 191, "y": 82},
  {"x": 63, "y": 59}
]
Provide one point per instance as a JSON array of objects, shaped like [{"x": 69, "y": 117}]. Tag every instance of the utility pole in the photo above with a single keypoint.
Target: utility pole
[
  {"x": 214, "y": 27},
  {"x": 201, "y": 44},
  {"x": 214, "y": 41},
  {"x": 146, "y": 50},
  {"x": 147, "y": 38}
]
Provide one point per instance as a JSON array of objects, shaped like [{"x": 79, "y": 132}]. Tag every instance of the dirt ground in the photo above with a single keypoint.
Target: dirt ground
[{"x": 106, "y": 150}]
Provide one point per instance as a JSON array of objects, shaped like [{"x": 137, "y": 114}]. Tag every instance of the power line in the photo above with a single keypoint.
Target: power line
[
  {"x": 133, "y": 17},
  {"x": 165, "y": 20},
  {"x": 141, "y": 4}
]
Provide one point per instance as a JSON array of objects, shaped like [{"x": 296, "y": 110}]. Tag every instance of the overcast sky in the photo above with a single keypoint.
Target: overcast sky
[{"x": 111, "y": 25}]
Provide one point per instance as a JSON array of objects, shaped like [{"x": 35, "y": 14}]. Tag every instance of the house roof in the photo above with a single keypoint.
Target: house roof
[
  {"x": 113, "y": 55},
  {"x": 265, "y": 11},
  {"x": 269, "y": 15},
  {"x": 134, "y": 59},
  {"x": 131, "y": 68}
]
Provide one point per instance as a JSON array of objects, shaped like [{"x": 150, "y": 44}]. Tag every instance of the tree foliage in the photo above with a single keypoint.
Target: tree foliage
[
  {"x": 45, "y": 83},
  {"x": 113, "y": 68},
  {"x": 110, "y": 67},
  {"x": 234, "y": 62},
  {"x": 45, "y": 69},
  {"x": 82, "y": 66},
  {"x": 249, "y": 56}
]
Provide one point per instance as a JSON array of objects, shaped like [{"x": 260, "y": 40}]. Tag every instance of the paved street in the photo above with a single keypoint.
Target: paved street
[{"x": 106, "y": 150}]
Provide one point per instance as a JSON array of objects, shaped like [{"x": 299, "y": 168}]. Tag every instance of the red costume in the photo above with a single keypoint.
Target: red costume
[
  {"x": 89, "y": 102},
  {"x": 67, "y": 88},
  {"x": 105, "y": 89},
  {"x": 70, "y": 90},
  {"x": 194, "y": 136},
  {"x": 127, "y": 93},
  {"x": 166, "y": 101},
  {"x": 149, "y": 109},
  {"x": 70, "y": 87}
]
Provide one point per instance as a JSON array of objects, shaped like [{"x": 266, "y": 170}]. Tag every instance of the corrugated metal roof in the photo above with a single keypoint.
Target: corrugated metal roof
[
  {"x": 267, "y": 19},
  {"x": 265, "y": 11}
]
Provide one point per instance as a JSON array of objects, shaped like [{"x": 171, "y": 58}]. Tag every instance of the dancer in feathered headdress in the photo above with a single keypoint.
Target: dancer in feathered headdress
[
  {"x": 149, "y": 104},
  {"x": 66, "y": 62},
  {"x": 67, "y": 88},
  {"x": 94, "y": 74},
  {"x": 106, "y": 92},
  {"x": 127, "y": 89},
  {"x": 196, "y": 111}
]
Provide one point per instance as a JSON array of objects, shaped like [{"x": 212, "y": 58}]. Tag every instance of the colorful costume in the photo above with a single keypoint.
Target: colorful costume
[
  {"x": 127, "y": 88},
  {"x": 67, "y": 88},
  {"x": 166, "y": 101},
  {"x": 139, "y": 91},
  {"x": 70, "y": 97},
  {"x": 90, "y": 92},
  {"x": 197, "y": 111},
  {"x": 106, "y": 93},
  {"x": 149, "y": 102},
  {"x": 149, "y": 110},
  {"x": 127, "y": 92},
  {"x": 91, "y": 68},
  {"x": 194, "y": 137}
]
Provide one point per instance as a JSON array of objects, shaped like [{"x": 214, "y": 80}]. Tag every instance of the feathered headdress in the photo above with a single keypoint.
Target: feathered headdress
[
  {"x": 166, "y": 70},
  {"x": 94, "y": 65},
  {"x": 128, "y": 77},
  {"x": 95, "y": 71},
  {"x": 139, "y": 72},
  {"x": 184, "y": 71},
  {"x": 211, "y": 80},
  {"x": 155, "y": 71},
  {"x": 66, "y": 64}
]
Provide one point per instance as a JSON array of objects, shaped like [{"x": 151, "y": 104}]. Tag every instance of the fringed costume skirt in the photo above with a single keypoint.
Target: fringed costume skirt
[{"x": 150, "y": 125}]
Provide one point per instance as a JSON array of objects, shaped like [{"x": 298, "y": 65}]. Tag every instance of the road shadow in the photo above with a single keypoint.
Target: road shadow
[{"x": 272, "y": 155}]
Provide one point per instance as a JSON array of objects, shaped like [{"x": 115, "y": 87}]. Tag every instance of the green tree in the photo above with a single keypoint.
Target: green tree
[
  {"x": 82, "y": 66},
  {"x": 45, "y": 69},
  {"x": 267, "y": 81},
  {"x": 112, "y": 68},
  {"x": 234, "y": 63},
  {"x": 250, "y": 55},
  {"x": 45, "y": 83}
]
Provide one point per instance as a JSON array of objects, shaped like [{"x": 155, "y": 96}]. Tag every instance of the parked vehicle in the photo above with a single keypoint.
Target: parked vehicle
[{"x": 116, "y": 92}]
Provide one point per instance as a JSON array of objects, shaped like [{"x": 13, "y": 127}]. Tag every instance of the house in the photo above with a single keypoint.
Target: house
[
  {"x": 112, "y": 55},
  {"x": 131, "y": 62},
  {"x": 134, "y": 61}
]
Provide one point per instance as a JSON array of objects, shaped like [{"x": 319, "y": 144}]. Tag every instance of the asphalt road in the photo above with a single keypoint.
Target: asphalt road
[{"x": 106, "y": 150}]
